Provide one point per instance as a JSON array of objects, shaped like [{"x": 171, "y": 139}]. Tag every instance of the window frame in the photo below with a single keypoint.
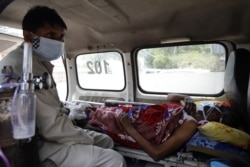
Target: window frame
[
  {"x": 105, "y": 90},
  {"x": 142, "y": 92}
]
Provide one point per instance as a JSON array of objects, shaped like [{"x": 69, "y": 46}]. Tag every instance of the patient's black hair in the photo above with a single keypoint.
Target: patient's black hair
[
  {"x": 230, "y": 117},
  {"x": 38, "y": 15}
]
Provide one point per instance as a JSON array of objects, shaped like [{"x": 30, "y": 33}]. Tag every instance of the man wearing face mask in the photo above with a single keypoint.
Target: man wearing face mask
[{"x": 61, "y": 141}]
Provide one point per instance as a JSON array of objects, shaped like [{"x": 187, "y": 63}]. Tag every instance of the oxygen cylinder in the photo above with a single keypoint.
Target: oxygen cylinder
[{"x": 23, "y": 112}]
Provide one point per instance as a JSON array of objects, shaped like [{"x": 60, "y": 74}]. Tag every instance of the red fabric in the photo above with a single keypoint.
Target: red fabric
[{"x": 156, "y": 122}]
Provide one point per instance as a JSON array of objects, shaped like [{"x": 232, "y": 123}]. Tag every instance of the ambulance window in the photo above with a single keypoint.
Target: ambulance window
[
  {"x": 59, "y": 75},
  {"x": 191, "y": 69},
  {"x": 100, "y": 71}
]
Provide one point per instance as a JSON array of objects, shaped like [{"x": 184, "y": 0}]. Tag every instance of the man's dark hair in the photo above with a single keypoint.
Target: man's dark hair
[{"x": 37, "y": 16}]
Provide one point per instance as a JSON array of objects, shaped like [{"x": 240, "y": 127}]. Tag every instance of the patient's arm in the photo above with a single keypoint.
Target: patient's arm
[
  {"x": 157, "y": 152},
  {"x": 177, "y": 98}
]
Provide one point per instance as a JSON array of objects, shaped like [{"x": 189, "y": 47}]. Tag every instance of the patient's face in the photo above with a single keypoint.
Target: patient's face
[{"x": 211, "y": 113}]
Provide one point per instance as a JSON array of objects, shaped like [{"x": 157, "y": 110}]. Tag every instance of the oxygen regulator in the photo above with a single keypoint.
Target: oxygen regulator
[{"x": 10, "y": 80}]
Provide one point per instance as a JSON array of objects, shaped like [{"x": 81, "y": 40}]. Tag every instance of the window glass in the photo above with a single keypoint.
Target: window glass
[
  {"x": 103, "y": 71},
  {"x": 11, "y": 31},
  {"x": 193, "y": 69}
]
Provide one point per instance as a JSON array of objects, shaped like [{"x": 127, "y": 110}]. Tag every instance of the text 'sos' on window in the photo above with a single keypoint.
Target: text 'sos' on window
[{"x": 101, "y": 71}]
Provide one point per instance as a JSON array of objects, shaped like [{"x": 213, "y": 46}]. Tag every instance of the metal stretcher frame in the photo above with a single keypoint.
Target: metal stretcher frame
[{"x": 179, "y": 160}]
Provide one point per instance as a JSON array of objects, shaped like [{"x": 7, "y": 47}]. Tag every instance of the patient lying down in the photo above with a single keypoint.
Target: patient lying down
[
  {"x": 159, "y": 129},
  {"x": 155, "y": 122}
]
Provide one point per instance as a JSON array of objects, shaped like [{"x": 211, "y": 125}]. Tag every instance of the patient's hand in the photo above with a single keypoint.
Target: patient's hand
[
  {"x": 189, "y": 105},
  {"x": 125, "y": 121}
]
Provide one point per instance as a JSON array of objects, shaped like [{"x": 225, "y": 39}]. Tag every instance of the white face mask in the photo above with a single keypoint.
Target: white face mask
[{"x": 48, "y": 49}]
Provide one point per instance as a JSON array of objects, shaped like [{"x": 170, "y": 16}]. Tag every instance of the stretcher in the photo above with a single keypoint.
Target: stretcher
[
  {"x": 191, "y": 155},
  {"x": 180, "y": 159}
]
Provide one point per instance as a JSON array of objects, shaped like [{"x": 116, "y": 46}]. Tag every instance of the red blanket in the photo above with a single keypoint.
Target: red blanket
[{"x": 155, "y": 122}]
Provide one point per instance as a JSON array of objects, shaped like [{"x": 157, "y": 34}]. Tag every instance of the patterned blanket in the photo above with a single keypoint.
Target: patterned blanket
[{"x": 155, "y": 122}]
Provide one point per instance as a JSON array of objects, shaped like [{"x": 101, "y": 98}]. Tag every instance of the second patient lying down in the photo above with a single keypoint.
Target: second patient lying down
[{"x": 159, "y": 129}]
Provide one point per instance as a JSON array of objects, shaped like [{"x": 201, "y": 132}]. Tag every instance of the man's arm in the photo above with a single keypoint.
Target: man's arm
[{"x": 53, "y": 125}]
